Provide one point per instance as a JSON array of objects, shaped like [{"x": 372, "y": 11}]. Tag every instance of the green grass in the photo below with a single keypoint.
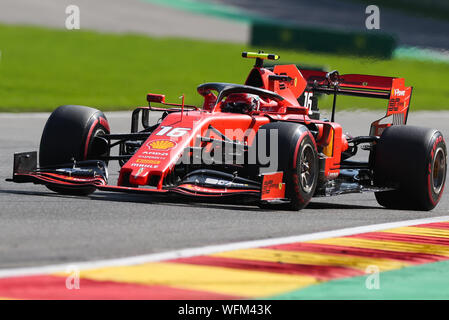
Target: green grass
[{"x": 43, "y": 68}]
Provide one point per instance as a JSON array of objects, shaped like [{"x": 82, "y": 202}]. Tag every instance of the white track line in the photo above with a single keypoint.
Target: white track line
[{"x": 184, "y": 253}]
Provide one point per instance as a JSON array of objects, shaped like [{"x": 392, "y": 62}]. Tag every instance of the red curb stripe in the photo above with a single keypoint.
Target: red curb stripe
[
  {"x": 436, "y": 225},
  {"x": 410, "y": 257},
  {"x": 53, "y": 287},
  {"x": 319, "y": 272},
  {"x": 402, "y": 238}
]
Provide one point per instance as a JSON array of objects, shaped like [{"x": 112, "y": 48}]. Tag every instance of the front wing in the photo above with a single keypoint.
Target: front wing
[{"x": 93, "y": 175}]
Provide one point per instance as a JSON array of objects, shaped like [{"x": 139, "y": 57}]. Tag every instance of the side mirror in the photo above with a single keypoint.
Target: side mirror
[
  {"x": 333, "y": 78},
  {"x": 158, "y": 98}
]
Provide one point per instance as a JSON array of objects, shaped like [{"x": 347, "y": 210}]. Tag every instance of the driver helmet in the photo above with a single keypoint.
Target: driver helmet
[{"x": 241, "y": 103}]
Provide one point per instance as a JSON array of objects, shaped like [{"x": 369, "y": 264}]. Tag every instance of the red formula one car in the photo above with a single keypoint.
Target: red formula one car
[{"x": 262, "y": 141}]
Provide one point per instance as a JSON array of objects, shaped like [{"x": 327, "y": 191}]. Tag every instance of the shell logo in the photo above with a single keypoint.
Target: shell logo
[{"x": 161, "y": 144}]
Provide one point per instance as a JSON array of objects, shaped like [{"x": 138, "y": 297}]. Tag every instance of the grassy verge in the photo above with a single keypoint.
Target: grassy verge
[{"x": 43, "y": 68}]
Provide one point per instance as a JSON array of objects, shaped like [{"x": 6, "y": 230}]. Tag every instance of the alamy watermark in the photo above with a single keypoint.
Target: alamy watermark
[
  {"x": 372, "y": 281},
  {"x": 230, "y": 150},
  {"x": 373, "y": 19},
  {"x": 73, "y": 20},
  {"x": 72, "y": 282}
]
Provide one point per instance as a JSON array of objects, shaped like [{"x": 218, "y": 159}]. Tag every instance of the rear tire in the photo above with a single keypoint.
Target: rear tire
[
  {"x": 70, "y": 134},
  {"x": 297, "y": 159},
  {"x": 414, "y": 161}
]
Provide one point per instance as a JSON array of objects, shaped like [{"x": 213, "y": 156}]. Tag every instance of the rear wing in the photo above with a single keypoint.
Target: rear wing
[{"x": 392, "y": 89}]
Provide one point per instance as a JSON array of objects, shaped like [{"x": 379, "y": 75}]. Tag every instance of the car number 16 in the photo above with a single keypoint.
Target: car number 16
[{"x": 172, "y": 132}]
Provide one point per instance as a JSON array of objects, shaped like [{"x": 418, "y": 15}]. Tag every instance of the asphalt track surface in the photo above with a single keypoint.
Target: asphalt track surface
[{"x": 39, "y": 227}]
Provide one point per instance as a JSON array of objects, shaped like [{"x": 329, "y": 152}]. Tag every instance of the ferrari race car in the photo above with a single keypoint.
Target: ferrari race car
[{"x": 262, "y": 141}]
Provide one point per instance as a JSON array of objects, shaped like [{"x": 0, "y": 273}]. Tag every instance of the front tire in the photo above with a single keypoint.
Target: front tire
[
  {"x": 71, "y": 133},
  {"x": 413, "y": 160},
  {"x": 297, "y": 159}
]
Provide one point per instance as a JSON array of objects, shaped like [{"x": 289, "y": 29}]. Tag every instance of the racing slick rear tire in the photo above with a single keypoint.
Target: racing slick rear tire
[
  {"x": 68, "y": 135},
  {"x": 413, "y": 160},
  {"x": 297, "y": 159}
]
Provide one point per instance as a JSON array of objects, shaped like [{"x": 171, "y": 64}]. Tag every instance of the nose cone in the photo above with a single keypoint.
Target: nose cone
[{"x": 139, "y": 176}]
